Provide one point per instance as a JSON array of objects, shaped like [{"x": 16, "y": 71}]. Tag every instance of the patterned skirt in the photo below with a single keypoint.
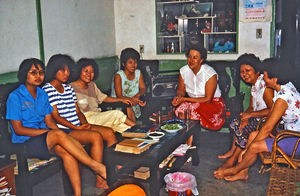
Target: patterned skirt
[
  {"x": 211, "y": 115},
  {"x": 243, "y": 134}
]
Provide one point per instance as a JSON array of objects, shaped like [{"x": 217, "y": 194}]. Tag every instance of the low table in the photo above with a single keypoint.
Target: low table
[{"x": 153, "y": 157}]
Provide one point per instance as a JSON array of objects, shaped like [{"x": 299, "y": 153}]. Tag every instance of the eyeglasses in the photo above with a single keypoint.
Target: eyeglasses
[{"x": 35, "y": 73}]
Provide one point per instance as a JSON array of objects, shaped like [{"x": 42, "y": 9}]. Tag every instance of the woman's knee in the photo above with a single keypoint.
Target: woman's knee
[
  {"x": 256, "y": 147},
  {"x": 96, "y": 137},
  {"x": 57, "y": 134}
]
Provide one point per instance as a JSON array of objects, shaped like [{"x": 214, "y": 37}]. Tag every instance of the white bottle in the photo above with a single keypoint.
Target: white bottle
[{"x": 172, "y": 48}]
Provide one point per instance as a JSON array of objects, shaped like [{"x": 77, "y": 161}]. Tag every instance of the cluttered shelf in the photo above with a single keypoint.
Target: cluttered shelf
[{"x": 181, "y": 23}]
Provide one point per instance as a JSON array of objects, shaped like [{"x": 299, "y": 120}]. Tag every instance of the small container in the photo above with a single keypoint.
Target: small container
[
  {"x": 155, "y": 135},
  {"x": 181, "y": 183}
]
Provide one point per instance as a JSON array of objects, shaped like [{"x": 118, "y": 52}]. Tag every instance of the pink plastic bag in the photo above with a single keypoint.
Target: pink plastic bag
[{"x": 181, "y": 182}]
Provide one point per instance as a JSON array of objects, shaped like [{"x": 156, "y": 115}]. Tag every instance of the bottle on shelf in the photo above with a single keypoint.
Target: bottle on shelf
[{"x": 172, "y": 47}]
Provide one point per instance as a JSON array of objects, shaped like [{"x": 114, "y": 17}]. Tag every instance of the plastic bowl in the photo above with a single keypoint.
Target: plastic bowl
[{"x": 155, "y": 135}]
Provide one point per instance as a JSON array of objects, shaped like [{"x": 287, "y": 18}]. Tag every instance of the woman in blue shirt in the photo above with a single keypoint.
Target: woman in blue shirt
[{"x": 29, "y": 112}]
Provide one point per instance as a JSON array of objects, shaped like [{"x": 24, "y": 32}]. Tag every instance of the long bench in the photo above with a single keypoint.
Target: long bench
[{"x": 26, "y": 179}]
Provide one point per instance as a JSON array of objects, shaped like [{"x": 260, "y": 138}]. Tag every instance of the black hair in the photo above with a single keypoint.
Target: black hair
[
  {"x": 82, "y": 63},
  {"x": 199, "y": 48},
  {"x": 25, "y": 67},
  {"x": 56, "y": 63},
  {"x": 128, "y": 53},
  {"x": 250, "y": 59},
  {"x": 274, "y": 68}
]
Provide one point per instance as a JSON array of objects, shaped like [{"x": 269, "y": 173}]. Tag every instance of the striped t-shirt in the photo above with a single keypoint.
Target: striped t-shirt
[{"x": 65, "y": 103}]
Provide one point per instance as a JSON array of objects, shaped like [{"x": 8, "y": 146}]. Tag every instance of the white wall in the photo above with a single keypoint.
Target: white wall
[
  {"x": 78, "y": 27},
  {"x": 135, "y": 24},
  {"x": 18, "y": 33},
  {"x": 95, "y": 28}
]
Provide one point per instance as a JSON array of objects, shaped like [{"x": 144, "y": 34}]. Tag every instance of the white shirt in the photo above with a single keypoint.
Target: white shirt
[
  {"x": 257, "y": 93},
  {"x": 195, "y": 84},
  {"x": 291, "y": 117}
]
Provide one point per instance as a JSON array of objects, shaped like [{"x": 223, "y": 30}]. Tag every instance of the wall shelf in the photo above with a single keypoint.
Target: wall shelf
[{"x": 181, "y": 23}]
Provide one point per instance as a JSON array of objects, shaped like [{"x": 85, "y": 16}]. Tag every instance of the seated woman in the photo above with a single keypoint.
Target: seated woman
[
  {"x": 286, "y": 106},
  {"x": 29, "y": 112},
  {"x": 65, "y": 108},
  {"x": 260, "y": 105},
  {"x": 89, "y": 97},
  {"x": 200, "y": 82},
  {"x": 129, "y": 82}
]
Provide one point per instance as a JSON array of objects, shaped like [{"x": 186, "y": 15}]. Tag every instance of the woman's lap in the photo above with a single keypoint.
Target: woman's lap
[
  {"x": 37, "y": 147},
  {"x": 242, "y": 135},
  {"x": 211, "y": 115},
  {"x": 114, "y": 119}
]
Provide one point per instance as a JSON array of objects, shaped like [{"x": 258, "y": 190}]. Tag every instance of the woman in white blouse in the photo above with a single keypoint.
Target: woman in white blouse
[{"x": 200, "y": 82}]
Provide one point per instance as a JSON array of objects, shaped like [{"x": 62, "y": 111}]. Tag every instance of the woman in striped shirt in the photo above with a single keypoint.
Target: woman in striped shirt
[{"x": 65, "y": 109}]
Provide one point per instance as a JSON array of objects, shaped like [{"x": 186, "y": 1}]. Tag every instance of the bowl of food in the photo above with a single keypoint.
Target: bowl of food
[
  {"x": 155, "y": 135},
  {"x": 171, "y": 127}
]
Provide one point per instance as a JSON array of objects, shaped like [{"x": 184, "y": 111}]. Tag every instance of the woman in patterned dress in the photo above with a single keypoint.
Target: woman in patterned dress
[
  {"x": 286, "y": 106},
  {"x": 200, "y": 82},
  {"x": 129, "y": 82},
  {"x": 260, "y": 105}
]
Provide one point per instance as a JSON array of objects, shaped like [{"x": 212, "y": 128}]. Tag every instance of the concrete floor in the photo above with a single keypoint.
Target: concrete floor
[{"x": 212, "y": 144}]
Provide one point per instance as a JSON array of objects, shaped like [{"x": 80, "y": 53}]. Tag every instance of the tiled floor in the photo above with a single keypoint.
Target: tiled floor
[{"x": 212, "y": 144}]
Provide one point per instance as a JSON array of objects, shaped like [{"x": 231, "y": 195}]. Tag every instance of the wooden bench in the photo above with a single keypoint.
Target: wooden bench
[{"x": 25, "y": 179}]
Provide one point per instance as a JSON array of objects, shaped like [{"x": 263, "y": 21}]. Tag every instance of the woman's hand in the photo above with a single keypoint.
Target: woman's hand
[
  {"x": 243, "y": 123},
  {"x": 84, "y": 127},
  {"x": 245, "y": 115},
  {"x": 135, "y": 100},
  {"x": 126, "y": 101},
  {"x": 177, "y": 100},
  {"x": 240, "y": 158},
  {"x": 142, "y": 103}
]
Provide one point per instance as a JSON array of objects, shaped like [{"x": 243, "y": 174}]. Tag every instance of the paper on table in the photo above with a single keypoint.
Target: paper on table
[{"x": 181, "y": 150}]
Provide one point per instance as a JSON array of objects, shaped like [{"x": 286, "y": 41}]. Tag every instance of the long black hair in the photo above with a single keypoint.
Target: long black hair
[{"x": 57, "y": 62}]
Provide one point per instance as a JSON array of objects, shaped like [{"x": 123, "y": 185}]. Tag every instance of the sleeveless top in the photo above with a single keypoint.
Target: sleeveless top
[
  {"x": 129, "y": 88},
  {"x": 257, "y": 93},
  {"x": 195, "y": 84}
]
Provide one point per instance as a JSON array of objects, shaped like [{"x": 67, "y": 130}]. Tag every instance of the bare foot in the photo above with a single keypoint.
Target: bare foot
[
  {"x": 228, "y": 163},
  {"x": 242, "y": 175},
  {"x": 227, "y": 154},
  {"x": 119, "y": 166},
  {"x": 100, "y": 170},
  {"x": 101, "y": 183},
  {"x": 221, "y": 173}
]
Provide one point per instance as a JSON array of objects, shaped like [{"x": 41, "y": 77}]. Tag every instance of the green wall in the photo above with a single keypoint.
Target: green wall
[
  {"x": 8, "y": 77},
  {"x": 108, "y": 66}
]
